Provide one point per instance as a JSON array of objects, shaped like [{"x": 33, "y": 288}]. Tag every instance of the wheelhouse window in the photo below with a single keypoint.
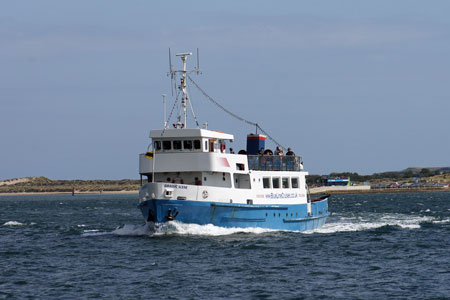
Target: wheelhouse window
[
  {"x": 294, "y": 182},
  {"x": 176, "y": 145},
  {"x": 266, "y": 182},
  {"x": 206, "y": 145},
  {"x": 285, "y": 182},
  {"x": 197, "y": 144},
  {"x": 167, "y": 145},
  {"x": 157, "y": 145},
  {"x": 276, "y": 182},
  {"x": 187, "y": 145}
]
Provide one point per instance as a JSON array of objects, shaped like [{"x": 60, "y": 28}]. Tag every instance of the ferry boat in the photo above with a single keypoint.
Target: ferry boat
[{"x": 190, "y": 176}]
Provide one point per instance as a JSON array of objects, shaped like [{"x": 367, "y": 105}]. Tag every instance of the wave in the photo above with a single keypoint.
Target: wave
[
  {"x": 179, "y": 228},
  {"x": 372, "y": 221},
  {"x": 174, "y": 228},
  {"x": 335, "y": 224},
  {"x": 13, "y": 223}
]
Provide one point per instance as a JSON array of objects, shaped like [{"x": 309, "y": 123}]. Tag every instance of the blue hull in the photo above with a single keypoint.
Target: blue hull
[{"x": 280, "y": 217}]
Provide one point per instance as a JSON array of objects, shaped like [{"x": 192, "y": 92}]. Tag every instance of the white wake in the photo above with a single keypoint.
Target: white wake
[
  {"x": 372, "y": 221},
  {"x": 335, "y": 224}
]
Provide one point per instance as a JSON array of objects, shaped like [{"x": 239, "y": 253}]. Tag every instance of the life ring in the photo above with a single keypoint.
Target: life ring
[
  {"x": 222, "y": 148},
  {"x": 205, "y": 194}
]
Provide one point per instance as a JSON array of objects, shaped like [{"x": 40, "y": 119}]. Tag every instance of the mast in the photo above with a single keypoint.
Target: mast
[
  {"x": 185, "y": 100},
  {"x": 182, "y": 87}
]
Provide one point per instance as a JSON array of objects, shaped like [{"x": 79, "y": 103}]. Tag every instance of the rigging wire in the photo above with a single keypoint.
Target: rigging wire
[
  {"x": 170, "y": 115},
  {"x": 234, "y": 115},
  {"x": 192, "y": 109}
]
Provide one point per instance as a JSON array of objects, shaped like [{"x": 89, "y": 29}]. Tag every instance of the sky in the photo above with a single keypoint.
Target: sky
[{"x": 358, "y": 86}]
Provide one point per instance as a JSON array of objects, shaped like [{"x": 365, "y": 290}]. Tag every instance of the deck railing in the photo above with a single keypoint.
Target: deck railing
[{"x": 275, "y": 163}]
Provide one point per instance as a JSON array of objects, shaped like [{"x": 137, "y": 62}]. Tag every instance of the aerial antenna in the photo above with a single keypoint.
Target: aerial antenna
[
  {"x": 172, "y": 74},
  {"x": 164, "y": 104},
  {"x": 197, "y": 70}
]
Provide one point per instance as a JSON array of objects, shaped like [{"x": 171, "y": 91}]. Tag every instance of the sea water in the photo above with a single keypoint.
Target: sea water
[{"x": 374, "y": 246}]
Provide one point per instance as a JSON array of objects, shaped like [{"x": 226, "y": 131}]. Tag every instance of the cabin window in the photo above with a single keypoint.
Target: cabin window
[
  {"x": 240, "y": 167},
  {"x": 187, "y": 145},
  {"x": 167, "y": 145},
  {"x": 176, "y": 145},
  {"x": 212, "y": 145},
  {"x": 197, "y": 144},
  {"x": 276, "y": 182},
  {"x": 206, "y": 145},
  {"x": 285, "y": 182},
  {"x": 242, "y": 181},
  {"x": 294, "y": 182},
  {"x": 157, "y": 145},
  {"x": 266, "y": 182}
]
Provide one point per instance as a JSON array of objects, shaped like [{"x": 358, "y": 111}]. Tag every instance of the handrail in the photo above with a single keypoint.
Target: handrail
[{"x": 275, "y": 163}]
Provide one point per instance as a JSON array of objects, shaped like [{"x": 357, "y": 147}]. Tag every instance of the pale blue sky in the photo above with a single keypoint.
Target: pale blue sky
[{"x": 351, "y": 85}]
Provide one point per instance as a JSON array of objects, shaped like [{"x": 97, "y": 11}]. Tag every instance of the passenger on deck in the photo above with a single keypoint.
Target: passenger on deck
[
  {"x": 268, "y": 152},
  {"x": 261, "y": 151},
  {"x": 279, "y": 151},
  {"x": 231, "y": 151},
  {"x": 290, "y": 152}
]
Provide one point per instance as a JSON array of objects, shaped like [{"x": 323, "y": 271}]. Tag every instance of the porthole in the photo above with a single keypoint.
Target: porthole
[
  {"x": 204, "y": 178},
  {"x": 279, "y": 215},
  {"x": 274, "y": 214},
  {"x": 287, "y": 214},
  {"x": 296, "y": 214},
  {"x": 266, "y": 214}
]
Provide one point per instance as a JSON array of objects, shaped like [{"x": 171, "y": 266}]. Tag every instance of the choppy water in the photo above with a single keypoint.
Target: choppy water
[{"x": 388, "y": 246}]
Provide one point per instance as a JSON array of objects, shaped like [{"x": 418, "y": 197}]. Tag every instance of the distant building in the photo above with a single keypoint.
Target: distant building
[{"x": 338, "y": 181}]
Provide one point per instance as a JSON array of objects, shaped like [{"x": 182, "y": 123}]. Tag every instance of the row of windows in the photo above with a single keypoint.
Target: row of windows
[
  {"x": 280, "y": 182},
  {"x": 177, "y": 145}
]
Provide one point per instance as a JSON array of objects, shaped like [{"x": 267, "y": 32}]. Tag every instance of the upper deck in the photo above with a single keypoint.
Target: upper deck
[{"x": 274, "y": 163}]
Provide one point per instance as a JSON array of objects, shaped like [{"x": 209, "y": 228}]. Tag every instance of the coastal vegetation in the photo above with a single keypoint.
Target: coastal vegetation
[{"x": 46, "y": 185}]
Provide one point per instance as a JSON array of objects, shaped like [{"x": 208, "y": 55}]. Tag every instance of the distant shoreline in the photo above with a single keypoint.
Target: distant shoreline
[
  {"x": 68, "y": 193},
  {"x": 389, "y": 191},
  {"x": 335, "y": 192}
]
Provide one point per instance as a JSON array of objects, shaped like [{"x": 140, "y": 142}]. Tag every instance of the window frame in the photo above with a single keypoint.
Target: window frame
[
  {"x": 297, "y": 182},
  {"x": 276, "y": 182},
  {"x": 269, "y": 181},
  {"x": 165, "y": 143}
]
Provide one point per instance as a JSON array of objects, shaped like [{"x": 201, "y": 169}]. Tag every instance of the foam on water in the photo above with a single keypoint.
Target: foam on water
[
  {"x": 179, "y": 228},
  {"x": 372, "y": 221},
  {"x": 340, "y": 224},
  {"x": 173, "y": 228},
  {"x": 13, "y": 223}
]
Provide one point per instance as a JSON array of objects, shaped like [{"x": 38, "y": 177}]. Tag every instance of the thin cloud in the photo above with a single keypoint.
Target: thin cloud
[{"x": 292, "y": 32}]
